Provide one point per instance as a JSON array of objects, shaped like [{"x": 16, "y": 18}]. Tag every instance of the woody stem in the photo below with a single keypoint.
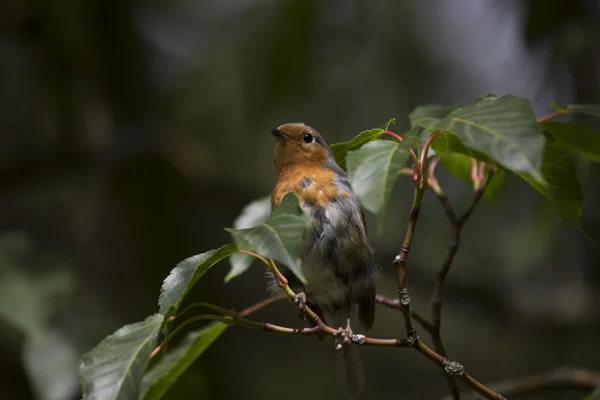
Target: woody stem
[
  {"x": 400, "y": 262},
  {"x": 456, "y": 224}
]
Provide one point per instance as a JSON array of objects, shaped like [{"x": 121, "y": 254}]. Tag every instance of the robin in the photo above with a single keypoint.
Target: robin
[{"x": 337, "y": 259}]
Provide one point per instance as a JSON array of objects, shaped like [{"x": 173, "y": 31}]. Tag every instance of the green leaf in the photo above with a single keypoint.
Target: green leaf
[
  {"x": 502, "y": 129},
  {"x": 428, "y": 111},
  {"x": 253, "y": 214},
  {"x": 165, "y": 373},
  {"x": 185, "y": 275},
  {"x": 279, "y": 236},
  {"x": 114, "y": 368},
  {"x": 51, "y": 362},
  {"x": 588, "y": 109},
  {"x": 373, "y": 171},
  {"x": 494, "y": 185},
  {"x": 562, "y": 186},
  {"x": 575, "y": 138},
  {"x": 459, "y": 166},
  {"x": 340, "y": 150},
  {"x": 448, "y": 143},
  {"x": 431, "y": 111}
]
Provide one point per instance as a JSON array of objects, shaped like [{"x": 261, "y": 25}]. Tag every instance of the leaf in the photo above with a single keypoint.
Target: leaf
[
  {"x": 373, "y": 171},
  {"x": 448, "y": 143},
  {"x": 51, "y": 363},
  {"x": 575, "y": 138},
  {"x": 502, "y": 129},
  {"x": 253, "y": 214},
  {"x": 340, "y": 150},
  {"x": 431, "y": 110},
  {"x": 165, "y": 373},
  {"x": 588, "y": 109},
  {"x": 114, "y": 368},
  {"x": 459, "y": 166},
  {"x": 562, "y": 186},
  {"x": 426, "y": 111},
  {"x": 185, "y": 275},
  {"x": 491, "y": 192},
  {"x": 279, "y": 236}
]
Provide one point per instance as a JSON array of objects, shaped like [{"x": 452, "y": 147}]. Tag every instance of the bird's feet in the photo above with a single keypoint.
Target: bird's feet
[
  {"x": 345, "y": 334},
  {"x": 300, "y": 300}
]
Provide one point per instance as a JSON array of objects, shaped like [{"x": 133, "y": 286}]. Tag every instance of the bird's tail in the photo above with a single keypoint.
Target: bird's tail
[{"x": 349, "y": 366}]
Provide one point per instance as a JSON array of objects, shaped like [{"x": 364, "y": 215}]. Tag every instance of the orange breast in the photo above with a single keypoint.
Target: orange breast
[{"x": 314, "y": 186}]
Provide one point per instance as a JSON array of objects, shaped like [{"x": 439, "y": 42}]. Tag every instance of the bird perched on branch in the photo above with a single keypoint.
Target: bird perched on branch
[{"x": 337, "y": 260}]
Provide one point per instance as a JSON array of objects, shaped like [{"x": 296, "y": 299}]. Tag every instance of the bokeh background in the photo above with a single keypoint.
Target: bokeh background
[{"x": 133, "y": 132}]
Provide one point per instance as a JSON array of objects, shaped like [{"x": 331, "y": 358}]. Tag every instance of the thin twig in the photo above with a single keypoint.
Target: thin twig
[
  {"x": 319, "y": 326},
  {"x": 474, "y": 173},
  {"x": 423, "y": 161},
  {"x": 395, "y": 304},
  {"x": 400, "y": 262},
  {"x": 550, "y": 116},
  {"x": 394, "y": 135},
  {"x": 228, "y": 313},
  {"x": 563, "y": 378},
  {"x": 456, "y": 225},
  {"x": 449, "y": 366},
  {"x": 255, "y": 307},
  {"x": 433, "y": 328},
  {"x": 406, "y": 171},
  {"x": 203, "y": 304},
  {"x": 454, "y": 369},
  {"x": 413, "y": 155},
  {"x": 187, "y": 322}
]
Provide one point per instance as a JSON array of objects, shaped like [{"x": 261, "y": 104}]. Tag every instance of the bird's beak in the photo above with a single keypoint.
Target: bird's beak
[{"x": 278, "y": 133}]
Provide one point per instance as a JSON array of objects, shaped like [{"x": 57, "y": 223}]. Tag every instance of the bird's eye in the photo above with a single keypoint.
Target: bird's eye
[{"x": 308, "y": 138}]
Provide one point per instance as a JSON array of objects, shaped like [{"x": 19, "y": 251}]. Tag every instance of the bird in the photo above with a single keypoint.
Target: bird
[{"x": 336, "y": 257}]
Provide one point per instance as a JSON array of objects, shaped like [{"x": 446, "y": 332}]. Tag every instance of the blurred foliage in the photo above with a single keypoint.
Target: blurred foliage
[
  {"x": 131, "y": 133},
  {"x": 34, "y": 286}
]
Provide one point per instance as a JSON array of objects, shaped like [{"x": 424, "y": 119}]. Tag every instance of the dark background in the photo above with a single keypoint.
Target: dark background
[{"x": 132, "y": 133}]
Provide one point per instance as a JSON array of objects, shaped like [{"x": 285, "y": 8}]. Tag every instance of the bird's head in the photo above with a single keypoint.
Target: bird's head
[{"x": 298, "y": 144}]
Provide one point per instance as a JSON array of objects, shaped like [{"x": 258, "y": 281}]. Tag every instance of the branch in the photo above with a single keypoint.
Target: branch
[
  {"x": 415, "y": 170},
  {"x": 423, "y": 165},
  {"x": 559, "y": 379},
  {"x": 232, "y": 318},
  {"x": 255, "y": 307},
  {"x": 225, "y": 312},
  {"x": 400, "y": 262},
  {"x": 454, "y": 369},
  {"x": 451, "y": 368},
  {"x": 429, "y": 328},
  {"x": 456, "y": 225},
  {"x": 550, "y": 116},
  {"x": 395, "y": 304}
]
